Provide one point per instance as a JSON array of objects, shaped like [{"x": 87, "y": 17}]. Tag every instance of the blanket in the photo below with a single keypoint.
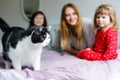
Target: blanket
[{"x": 57, "y": 66}]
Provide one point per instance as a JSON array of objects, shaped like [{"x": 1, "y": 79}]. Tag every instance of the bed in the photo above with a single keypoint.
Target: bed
[
  {"x": 63, "y": 66},
  {"x": 58, "y": 65}
]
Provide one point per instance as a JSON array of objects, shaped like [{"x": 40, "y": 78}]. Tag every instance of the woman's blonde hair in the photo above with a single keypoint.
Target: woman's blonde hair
[
  {"x": 108, "y": 10},
  {"x": 77, "y": 31}
]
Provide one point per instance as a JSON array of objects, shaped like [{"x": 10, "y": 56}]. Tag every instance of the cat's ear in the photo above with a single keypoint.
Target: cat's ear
[{"x": 49, "y": 27}]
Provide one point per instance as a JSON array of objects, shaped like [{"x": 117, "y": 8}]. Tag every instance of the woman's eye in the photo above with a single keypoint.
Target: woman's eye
[
  {"x": 74, "y": 13},
  {"x": 66, "y": 15},
  {"x": 97, "y": 17},
  {"x": 103, "y": 17}
]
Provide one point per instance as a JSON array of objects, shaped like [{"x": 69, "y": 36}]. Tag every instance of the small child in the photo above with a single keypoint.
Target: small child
[
  {"x": 38, "y": 18},
  {"x": 105, "y": 44}
]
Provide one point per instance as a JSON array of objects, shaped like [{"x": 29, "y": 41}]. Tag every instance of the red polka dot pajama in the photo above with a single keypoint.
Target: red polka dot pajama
[{"x": 104, "y": 48}]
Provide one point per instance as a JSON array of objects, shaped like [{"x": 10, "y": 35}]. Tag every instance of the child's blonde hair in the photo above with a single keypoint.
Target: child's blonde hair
[{"x": 106, "y": 9}]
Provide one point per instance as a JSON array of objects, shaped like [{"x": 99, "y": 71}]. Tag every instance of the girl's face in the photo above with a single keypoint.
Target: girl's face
[
  {"x": 39, "y": 20},
  {"x": 70, "y": 16},
  {"x": 103, "y": 21}
]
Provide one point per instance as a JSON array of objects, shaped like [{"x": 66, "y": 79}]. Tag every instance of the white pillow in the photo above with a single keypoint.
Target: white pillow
[{"x": 55, "y": 35}]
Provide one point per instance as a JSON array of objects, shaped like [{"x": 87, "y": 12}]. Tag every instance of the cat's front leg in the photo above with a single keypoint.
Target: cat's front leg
[
  {"x": 17, "y": 65},
  {"x": 36, "y": 64}
]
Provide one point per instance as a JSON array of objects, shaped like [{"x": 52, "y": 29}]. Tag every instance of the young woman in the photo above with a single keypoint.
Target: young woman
[
  {"x": 105, "y": 45},
  {"x": 76, "y": 32}
]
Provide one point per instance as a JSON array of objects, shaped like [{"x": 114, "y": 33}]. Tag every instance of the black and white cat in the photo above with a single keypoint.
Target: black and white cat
[{"x": 23, "y": 47}]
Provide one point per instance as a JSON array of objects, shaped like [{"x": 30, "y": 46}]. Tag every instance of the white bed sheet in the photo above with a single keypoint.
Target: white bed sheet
[{"x": 56, "y": 66}]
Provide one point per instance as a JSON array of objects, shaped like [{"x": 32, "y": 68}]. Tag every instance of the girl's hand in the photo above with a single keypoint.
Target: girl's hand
[{"x": 88, "y": 49}]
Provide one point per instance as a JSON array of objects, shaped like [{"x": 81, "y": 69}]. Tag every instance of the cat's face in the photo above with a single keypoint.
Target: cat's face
[
  {"x": 41, "y": 35},
  {"x": 47, "y": 40}
]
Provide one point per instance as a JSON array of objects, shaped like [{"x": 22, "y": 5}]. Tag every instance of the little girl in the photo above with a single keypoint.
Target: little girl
[
  {"x": 38, "y": 19},
  {"x": 105, "y": 44}
]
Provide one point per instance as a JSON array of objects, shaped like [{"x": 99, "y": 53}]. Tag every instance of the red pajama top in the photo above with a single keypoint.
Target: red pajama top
[{"x": 104, "y": 48}]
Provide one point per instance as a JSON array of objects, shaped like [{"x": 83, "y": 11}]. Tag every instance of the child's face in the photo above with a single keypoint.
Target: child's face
[
  {"x": 39, "y": 20},
  {"x": 103, "y": 20}
]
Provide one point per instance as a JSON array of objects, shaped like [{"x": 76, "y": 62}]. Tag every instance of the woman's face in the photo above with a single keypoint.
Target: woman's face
[
  {"x": 39, "y": 20},
  {"x": 70, "y": 16}
]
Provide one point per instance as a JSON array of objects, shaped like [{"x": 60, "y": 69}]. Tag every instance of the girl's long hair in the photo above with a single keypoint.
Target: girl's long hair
[{"x": 77, "y": 31}]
